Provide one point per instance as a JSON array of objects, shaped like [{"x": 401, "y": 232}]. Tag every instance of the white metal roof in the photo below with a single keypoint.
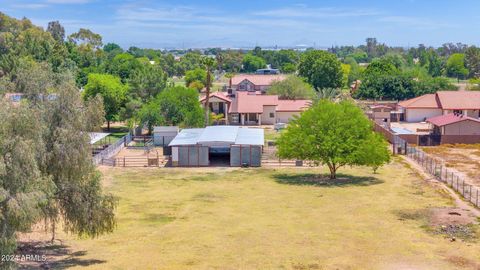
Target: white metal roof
[
  {"x": 97, "y": 136},
  {"x": 165, "y": 129},
  {"x": 219, "y": 136}
]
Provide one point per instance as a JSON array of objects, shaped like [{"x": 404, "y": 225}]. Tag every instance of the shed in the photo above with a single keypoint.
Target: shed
[
  {"x": 163, "y": 135},
  {"x": 218, "y": 145},
  {"x": 455, "y": 124}
]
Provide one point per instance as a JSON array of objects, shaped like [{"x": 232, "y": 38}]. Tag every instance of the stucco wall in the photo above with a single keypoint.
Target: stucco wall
[
  {"x": 266, "y": 119},
  {"x": 419, "y": 115},
  {"x": 285, "y": 117},
  {"x": 463, "y": 128}
]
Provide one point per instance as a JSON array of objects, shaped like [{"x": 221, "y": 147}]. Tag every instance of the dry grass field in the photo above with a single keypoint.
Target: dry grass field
[
  {"x": 465, "y": 158},
  {"x": 224, "y": 218}
]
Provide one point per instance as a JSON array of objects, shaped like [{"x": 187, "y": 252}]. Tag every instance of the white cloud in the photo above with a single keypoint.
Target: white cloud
[
  {"x": 414, "y": 22},
  {"x": 302, "y": 11},
  {"x": 29, "y": 5}
]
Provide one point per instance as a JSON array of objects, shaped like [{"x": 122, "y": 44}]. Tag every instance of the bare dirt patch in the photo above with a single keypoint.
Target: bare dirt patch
[{"x": 463, "y": 158}]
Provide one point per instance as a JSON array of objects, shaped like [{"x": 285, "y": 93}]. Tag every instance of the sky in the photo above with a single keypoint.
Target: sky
[{"x": 248, "y": 23}]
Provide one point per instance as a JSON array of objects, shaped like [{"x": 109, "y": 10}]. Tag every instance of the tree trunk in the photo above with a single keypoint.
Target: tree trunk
[
  {"x": 53, "y": 231},
  {"x": 108, "y": 125},
  {"x": 207, "y": 99},
  {"x": 333, "y": 171}
]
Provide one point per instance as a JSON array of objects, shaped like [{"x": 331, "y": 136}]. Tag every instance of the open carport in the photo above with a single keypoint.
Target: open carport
[{"x": 218, "y": 145}]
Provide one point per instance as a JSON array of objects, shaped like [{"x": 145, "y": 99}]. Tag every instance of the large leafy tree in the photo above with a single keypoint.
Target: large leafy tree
[
  {"x": 46, "y": 170},
  {"x": 321, "y": 69},
  {"x": 333, "y": 134},
  {"x": 147, "y": 82},
  {"x": 177, "y": 106},
  {"x": 292, "y": 87},
  {"x": 251, "y": 63},
  {"x": 77, "y": 198},
  {"x": 196, "y": 78},
  {"x": 111, "y": 89},
  {"x": 23, "y": 188},
  {"x": 472, "y": 61},
  {"x": 456, "y": 66}
]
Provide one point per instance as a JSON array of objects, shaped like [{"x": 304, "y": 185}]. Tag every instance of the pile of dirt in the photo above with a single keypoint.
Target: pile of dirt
[{"x": 454, "y": 223}]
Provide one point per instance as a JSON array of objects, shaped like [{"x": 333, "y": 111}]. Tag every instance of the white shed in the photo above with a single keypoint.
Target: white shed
[{"x": 162, "y": 136}]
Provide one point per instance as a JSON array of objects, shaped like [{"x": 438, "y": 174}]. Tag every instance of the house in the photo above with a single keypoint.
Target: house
[
  {"x": 441, "y": 103},
  {"x": 253, "y": 108},
  {"x": 253, "y": 82},
  {"x": 219, "y": 104},
  {"x": 454, "y": 124},
  {"x": 232, "y": 145}
]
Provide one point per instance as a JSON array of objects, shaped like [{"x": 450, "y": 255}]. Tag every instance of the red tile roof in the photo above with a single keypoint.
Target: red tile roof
[
  {"x": 219, "y": 95},
  {"x": 459, "y": 100},
  {"x": 425, "y": 101},
  {"x": 251, "y": 103},
  {"x": 257, "y": 79},
  {"x": 447, "y": 100},
  {"x": 293, "y": 105},
  {"x": 447, "y": 119}
]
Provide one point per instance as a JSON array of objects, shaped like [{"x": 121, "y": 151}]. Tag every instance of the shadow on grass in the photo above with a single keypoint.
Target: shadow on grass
[
  {"x": 57, "y": 256},
  {"x": 323, "y": 180}
]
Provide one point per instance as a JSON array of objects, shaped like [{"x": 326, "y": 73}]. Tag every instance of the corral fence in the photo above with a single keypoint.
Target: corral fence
[
  {"x": 136, "y": 162},
  {"x": 287, "y": 163},
  {"x": 434, "y": 167},
  {"x": 142, "y": 141},
  {"x": 112, "y": 150}
]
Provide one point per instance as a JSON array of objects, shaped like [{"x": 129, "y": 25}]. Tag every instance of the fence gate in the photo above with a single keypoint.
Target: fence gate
[{"x": 429, "y": 140}]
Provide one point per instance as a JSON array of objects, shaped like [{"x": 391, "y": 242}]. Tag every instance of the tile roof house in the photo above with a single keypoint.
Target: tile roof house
[
  {"x": 253, "y": 82},
  {"x": 251, "y": 108},
  {"x": 441, "y": 103}
]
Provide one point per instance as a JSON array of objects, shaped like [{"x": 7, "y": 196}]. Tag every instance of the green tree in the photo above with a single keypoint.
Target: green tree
[
  {"x": 292, "y": 87},
  {"x": 329, "y": 133},
  {"x": 456, "y": 66},
  {"x": 176, "y": 106},
  {"x": 375, "y": 153},
  {"x": 77, "y": 200},
  {"x": 24, "y": 189},
  {"x": 86, "y": 37},
  {"x": 147, "y": 81},
  {"x": 197, "y": 76},
  {"x": 56, "y": 30},
  {"x": 111, "y": 89},
  {"x": 251, "y": 63},
  {"x": 321, "y": 69},
  {"x": 472, "y": 61}
]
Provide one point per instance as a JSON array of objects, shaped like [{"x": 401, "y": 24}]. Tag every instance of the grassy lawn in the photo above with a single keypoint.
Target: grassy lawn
[{"x": 223, "y": 218}]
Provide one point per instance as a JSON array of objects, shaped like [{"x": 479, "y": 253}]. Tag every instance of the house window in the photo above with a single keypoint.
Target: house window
[{"x": 272, "y": 115}]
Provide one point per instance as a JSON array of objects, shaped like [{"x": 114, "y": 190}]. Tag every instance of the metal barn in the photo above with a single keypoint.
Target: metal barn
[{"x": 218, "y": 145}]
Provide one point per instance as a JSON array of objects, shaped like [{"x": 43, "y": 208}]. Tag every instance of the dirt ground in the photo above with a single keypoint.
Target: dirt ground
[
  {"x": 128, "y": 152},
  {"x": 464, "y": 158}
]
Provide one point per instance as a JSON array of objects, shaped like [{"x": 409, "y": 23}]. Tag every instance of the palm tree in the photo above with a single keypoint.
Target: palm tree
[
  {"x": 328, "y": 93},
  {"x": 209, "y": 64}
]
